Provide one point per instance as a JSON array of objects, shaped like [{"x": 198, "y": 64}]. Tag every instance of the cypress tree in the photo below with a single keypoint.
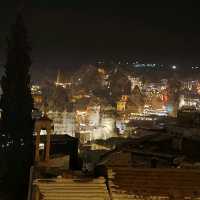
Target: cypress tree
[{"x": 17, "y": 104}]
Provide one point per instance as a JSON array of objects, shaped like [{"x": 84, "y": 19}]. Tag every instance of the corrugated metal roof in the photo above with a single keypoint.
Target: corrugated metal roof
[{"x": 72, "y": 189}]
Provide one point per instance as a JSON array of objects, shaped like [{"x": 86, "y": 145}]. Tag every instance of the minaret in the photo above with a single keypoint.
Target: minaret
[{"x": 58, "y": 77}]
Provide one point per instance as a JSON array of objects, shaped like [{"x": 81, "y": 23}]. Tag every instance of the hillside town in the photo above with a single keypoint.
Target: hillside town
[{"x": 121, "y": 121}]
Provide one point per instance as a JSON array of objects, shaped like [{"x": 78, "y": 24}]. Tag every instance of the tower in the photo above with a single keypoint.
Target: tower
[{"x": 58, "y": 77}]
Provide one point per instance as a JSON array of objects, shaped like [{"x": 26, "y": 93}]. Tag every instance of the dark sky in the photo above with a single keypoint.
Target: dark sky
[{"x": 70, "y": 33}]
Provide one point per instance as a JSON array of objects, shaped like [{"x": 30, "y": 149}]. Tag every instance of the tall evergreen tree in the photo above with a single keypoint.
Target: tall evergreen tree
[{"x": 16, "y": 104}]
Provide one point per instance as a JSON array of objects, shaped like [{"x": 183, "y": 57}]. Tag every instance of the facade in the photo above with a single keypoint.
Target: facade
[
  {"x": 121, "y": 106},
  {"x": 91, "y": 123},
  {"x": 64, "y": 122},
  {"x": 189, "y": 101},
  {"x": 99, "y": 126},
  {"x": 135, "y": 81},
  {"x": 38, "y": 98}
]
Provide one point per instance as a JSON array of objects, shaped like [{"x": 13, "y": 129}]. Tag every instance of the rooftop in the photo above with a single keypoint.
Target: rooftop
[
  {"x": 72, "y": 189},
  {"x": 130, "y": 183}
]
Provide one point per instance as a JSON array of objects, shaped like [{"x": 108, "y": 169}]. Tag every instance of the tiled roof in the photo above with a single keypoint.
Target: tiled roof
[
  {"x": 129, "y": 183},
  {"x": 72, "y": 189}
]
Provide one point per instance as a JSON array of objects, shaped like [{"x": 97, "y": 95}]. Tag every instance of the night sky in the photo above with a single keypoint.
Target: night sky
[{"x": 68, "y": 33}]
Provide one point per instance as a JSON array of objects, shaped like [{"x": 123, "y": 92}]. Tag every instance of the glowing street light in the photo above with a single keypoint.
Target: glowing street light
[{"x": 174, "y": 67}]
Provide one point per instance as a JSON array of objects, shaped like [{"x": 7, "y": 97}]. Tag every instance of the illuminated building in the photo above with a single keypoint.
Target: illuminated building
[
  {"x": 80, "y": 95},
  {"x": 189, "y": 101},
  {"x": 36, "y": 89},
  {"x": 64, "y": 122},
  {"x": 106, "y": 128},
  {"x": 152, "y": 66},
  {"x": 121, "y": 106},
  {"x": 94, "y": 120},
  {"x": 103, "y": 76},
  {"x": 131, "y": 104},
  {"x": 190, "y": 84},
  {"x": 154, "y": 88},
  {"x": 81, "y": 121},
  {"x": 124, "y": 98},
  {"x": 164, "y": 97},
  {"x": 101, "y": 71},
  {"x": 136, "y": 101},
  {"x": 135, "y": 81},
  {"x": 59, "y": 83},
  {"x": 148, "y": 110},
  {"x": 148, "y": 65},
  {"x": 121, "y": 126},
  {"x": 38, "y": 99},
  {"x": 198, "y": 88},
  {"x": 44, "y": 123},
  {"x": 127, "y": 104},
  {"x": 69, "y": 120},
  {"x": 93, "y": 115}
]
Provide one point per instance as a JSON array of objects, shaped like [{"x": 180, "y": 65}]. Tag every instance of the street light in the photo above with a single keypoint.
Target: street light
[{"x": 174, "y": 67}]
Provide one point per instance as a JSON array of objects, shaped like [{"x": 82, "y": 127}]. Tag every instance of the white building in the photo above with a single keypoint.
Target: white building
[
  {"x": 105, "y": 130},
  {"x": 94, "y": 116},
  {"x": 96, "y": 125},
  {"x": 135, "y": 81},
  {"x": 189, "y": 102},
  {"x": 64, "y": 122}
]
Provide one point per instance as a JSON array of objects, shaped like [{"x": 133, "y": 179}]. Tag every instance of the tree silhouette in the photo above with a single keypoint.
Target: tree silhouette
[{"x": 16, "y": 104}]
